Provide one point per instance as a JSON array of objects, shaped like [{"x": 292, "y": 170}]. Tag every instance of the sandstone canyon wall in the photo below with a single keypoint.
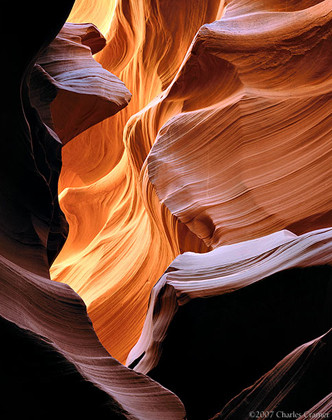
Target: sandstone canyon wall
[{"x": 166, "y": 210}]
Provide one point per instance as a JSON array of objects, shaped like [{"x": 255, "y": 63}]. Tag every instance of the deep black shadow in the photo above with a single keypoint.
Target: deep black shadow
[
  {"x": 37, "y": 382},
  {"x": 215, "y": 347}
]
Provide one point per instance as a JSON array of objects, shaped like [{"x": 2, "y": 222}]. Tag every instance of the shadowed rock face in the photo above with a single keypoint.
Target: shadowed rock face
[
  {"x": 54, "y": 311},
  {"x": 293, "y": 385},
  {"x": 32, "y": 226},
  {"x": 37, "y": 380},
  {"x": 222, "y": 271}
]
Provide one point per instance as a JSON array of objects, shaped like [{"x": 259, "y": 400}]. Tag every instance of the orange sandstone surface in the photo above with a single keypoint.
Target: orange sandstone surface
[
  {"x": 121, "y": 239},
  {"x": 224, "y": 139}
]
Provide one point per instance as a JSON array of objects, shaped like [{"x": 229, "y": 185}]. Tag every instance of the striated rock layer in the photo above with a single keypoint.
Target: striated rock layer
[
  {"x": 237, "y": 116},
  {"x": 302, "y": 372},
  {"x": 211, "y": 135},
  {"x": 72, "y": 90},
  {"x": 241, "y": 347},
  {"x": 35, "y": 378},
  {"x": 247, "y": 149}
]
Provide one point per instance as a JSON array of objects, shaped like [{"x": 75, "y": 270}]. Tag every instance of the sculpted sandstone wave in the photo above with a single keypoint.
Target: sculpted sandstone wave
[
  {"x": 74, "y": 91},
  {"x": 117, "y": 247},
  {"x": 248, "y": 150},
  {"x": 238, "y": 120}
]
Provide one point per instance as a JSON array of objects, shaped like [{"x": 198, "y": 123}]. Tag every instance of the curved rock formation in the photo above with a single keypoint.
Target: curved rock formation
[
  {"x": 56, "y": 313},
  {"x": 238, "y": 122},
  {"x": 32, "y": 226},
  {"x": 208, "y": 348},
  {"x": 261, "y": 125},
  {"x": 221, "y": 271},
  {"x": 67, "y": 81},
  {"x": 116, "y": 248},
  {"x": 279, "y": 390},
  {"x": 35, "y": 378},
  {"x": 224, "y": 145}
]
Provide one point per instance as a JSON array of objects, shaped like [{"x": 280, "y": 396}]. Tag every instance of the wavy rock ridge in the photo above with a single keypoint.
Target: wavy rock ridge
[
  {"x": 264, "y": 135},
  {"x": 248, "y": 105}
]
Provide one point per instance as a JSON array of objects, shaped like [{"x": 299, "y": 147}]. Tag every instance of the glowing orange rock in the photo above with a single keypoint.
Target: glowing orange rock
[
  {"x": 119, "y": 244},
  {"x": 238, "y": 123}
]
